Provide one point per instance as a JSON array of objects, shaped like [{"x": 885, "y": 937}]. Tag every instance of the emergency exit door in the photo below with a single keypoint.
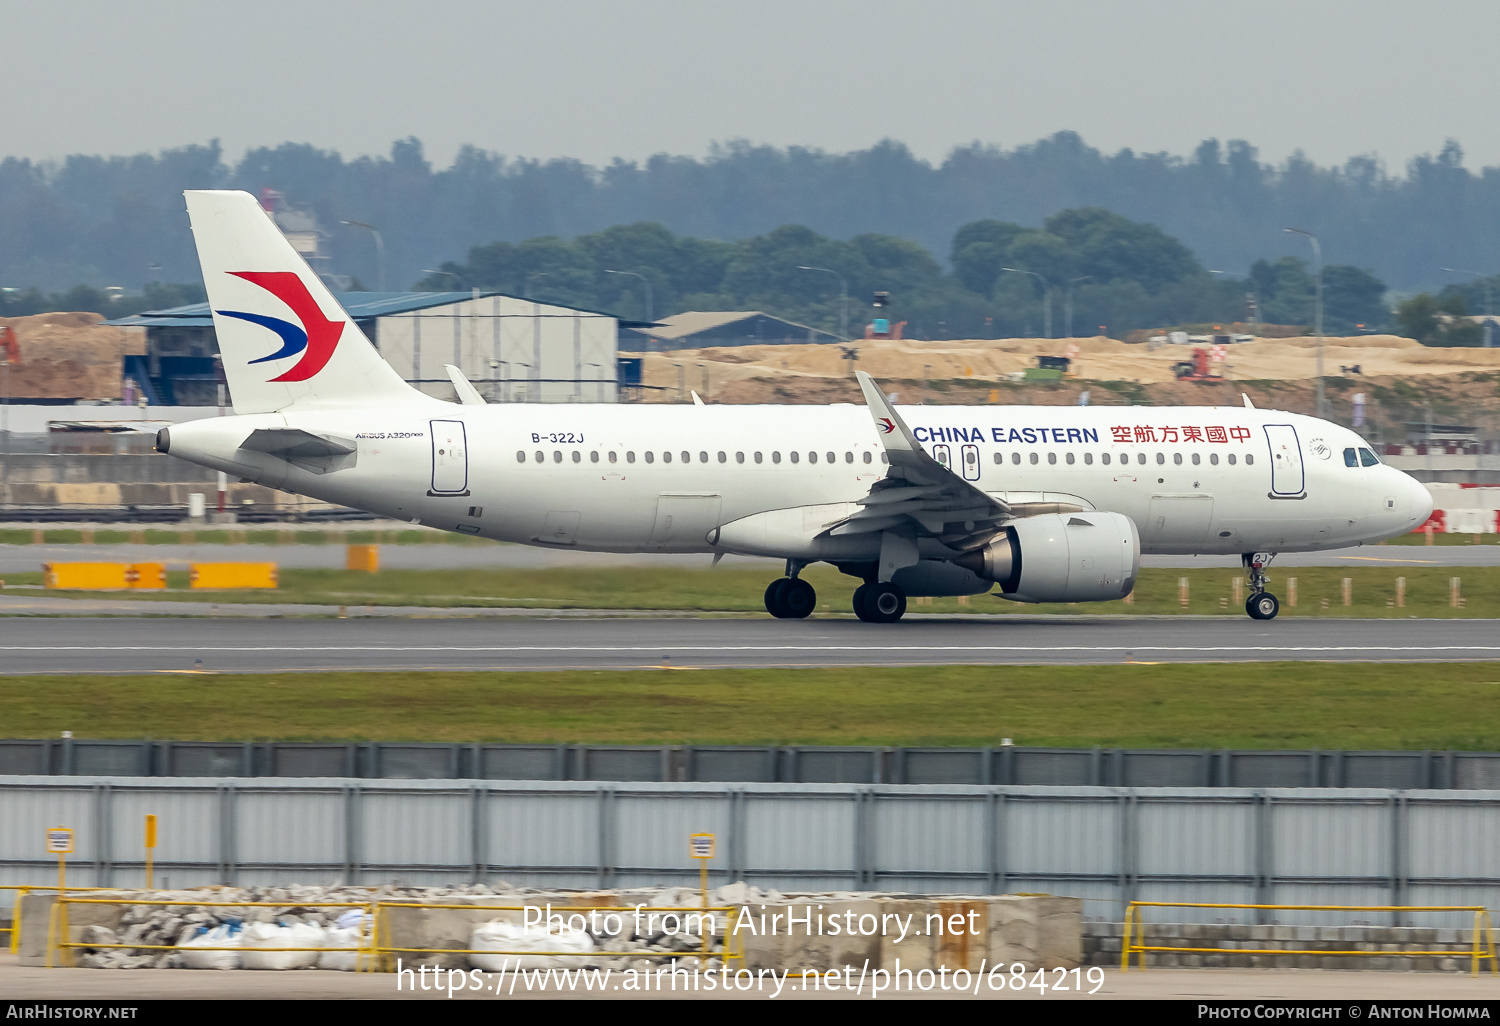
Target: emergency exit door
[
  {"x": 450, "y": 458},
  {"x": 1287, "y": 478},
  {"x": 971, "y": 462}
]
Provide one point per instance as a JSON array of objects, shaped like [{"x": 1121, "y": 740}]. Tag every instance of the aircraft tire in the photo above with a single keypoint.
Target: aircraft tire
[
  {"x": 1263, "y": 606},
  {"x": 860, "y": 595},
  {"x": 886, "y": 603},
  {"x": 797, "y": 598},
  {"x": 773, "y": 597}
]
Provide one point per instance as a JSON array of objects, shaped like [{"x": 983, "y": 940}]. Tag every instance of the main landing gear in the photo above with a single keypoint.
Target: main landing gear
[
  {"x": 1261, "y": 605},
  {"x": 790, "y": 597},
  {"x": 879, "y": 603}
]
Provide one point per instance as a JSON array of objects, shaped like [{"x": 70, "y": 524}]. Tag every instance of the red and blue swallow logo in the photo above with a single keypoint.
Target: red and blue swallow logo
[
  {"x": 315, "y": 338},
  {"x": 886, "y": 425}
]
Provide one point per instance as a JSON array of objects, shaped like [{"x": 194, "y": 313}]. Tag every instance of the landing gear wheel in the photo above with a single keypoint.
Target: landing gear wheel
[
  {"x": 797, "y": 599},
  {"x": 1263, "y": 606},
  {"x": 884, "y": 603},
  {"x": 861, "y": 595},
  {"x": 773, "y": 596}
]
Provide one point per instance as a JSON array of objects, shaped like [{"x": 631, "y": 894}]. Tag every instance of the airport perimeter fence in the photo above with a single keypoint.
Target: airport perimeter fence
[
  {"x": 1107, "y": 846},
  {"x": 1005, "y": 764}
]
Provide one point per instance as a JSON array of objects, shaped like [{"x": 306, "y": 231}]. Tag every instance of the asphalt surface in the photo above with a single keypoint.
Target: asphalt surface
[
  {"x": 262, "y": 645},
  {"x": 29, "y": 558}
]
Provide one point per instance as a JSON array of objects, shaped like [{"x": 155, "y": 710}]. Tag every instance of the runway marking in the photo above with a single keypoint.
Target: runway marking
[{"x": 1393, "y": 559}]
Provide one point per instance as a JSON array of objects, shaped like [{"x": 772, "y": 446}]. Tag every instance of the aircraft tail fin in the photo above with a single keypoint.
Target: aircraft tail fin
[{"x": 282, "y": 336}]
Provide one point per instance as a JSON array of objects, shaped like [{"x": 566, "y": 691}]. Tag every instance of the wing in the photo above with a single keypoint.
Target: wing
[{"x": 919, "y": 491}]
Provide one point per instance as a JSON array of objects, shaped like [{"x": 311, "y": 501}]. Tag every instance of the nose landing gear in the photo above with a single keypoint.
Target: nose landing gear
[{"x": 1261, "y": 605}]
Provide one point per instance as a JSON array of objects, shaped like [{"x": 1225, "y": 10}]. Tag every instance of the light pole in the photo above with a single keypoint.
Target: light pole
[
  {"x": 1046, "y": 297},
  {"x": 457, "y": 281},
  {"x": 379, "y": 248},
  {"x": 1068, "y": 316},
  {"x": 647, "y": 281},
  {"x": 843, "y": 299},
  {"x": 1318, "y": 308},
  {"x": 1254, "y": 295},
  {"x": 1488, "y": 327}
]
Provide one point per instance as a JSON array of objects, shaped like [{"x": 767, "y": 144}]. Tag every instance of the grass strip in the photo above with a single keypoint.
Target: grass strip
[
  {"x": 1427, "y": 591},
  {"x": 1291, "y": 705}
]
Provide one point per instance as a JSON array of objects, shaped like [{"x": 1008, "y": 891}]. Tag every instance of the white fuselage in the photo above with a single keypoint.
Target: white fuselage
[{"x": 630, "y": 478}]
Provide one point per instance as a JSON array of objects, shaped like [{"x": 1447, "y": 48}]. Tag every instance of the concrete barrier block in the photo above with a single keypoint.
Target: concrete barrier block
[{"x": 805, "y": 947}]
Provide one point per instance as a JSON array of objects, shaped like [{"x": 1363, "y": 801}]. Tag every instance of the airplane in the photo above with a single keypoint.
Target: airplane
[{"x": 1049, "y": 504}]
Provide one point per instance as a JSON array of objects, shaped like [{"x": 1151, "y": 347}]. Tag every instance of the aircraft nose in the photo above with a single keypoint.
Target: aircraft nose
[{"x": 1419, "y": 500}]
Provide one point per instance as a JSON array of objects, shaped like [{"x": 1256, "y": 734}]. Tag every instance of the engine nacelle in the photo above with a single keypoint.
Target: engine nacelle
[{"x": 1062, "y": 557}]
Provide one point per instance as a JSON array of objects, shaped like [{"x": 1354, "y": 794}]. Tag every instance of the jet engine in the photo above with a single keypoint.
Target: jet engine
[{"x": 1061, "y": 557}]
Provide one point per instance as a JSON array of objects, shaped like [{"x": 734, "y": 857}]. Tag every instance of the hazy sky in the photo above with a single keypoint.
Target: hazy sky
[{"x": 595, "y": 79}]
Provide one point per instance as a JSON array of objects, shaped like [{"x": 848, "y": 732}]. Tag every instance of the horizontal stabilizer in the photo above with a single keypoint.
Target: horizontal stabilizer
[
  {"x": 467, "y": 393},
  {"x": 295, "y": 443}
]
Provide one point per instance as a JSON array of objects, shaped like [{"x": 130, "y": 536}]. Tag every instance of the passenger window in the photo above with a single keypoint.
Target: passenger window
[
  {"x": 1104, "y": 458},
  {"x": 775, "y": 457},
  {"x": 578, "y": 456},
  {"x": 833, "y": 457},
  {"x": 1231, "y": 459},
  {"x": 520, "y": 455},
  {"x": 848, "y": 457},
  {"x": 1140, "y": 457},
  {"x": 703, "y": 457},
  {"x": 1197, "y": 459},
  {"x": 630, "y": 456},
  {"x": 1161, "y": 458},
  {"x": 1015, "y": 457},
  {"x": 556, "y": 455},
  {"x": 1034, "y": 459},
  {"x": 594, "y": 456},
  {"x": 998, "y": 459},
  {"x": 1351, "y": 458},
  {"x": 1088, "y": 459},
  {"x": 650, "y": 456},
  {"x": 1070, "y": 459},
  {"x": 541, "y": 457},
  {"x": 613, "y": 458},
  {"x": 739, "y": 457},
  {"x": 1177, "y": 458},
  {"x": 1248, "y": 460},
  {"x": 812, "y": 457},
  {"x": 1213, "y": 459},
  {"x": 885, "y": 458},
  {"x": 723, "y": 457},
  {"x": 666, "y": 457},
  {"x": 1366, "y": 457},
  {"x": 687, "y": 457},
  {"x": 1052, "y": 458},
  {"x": 757, "y": 457},
  {"x": 867, "y": 457},
  {"x": 793, "y": 454}
]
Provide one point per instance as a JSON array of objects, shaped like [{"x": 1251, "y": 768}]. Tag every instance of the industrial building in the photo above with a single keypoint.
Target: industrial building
[
  {"x": 698, "y": 329},
  {"x": 512, "y": 349}
]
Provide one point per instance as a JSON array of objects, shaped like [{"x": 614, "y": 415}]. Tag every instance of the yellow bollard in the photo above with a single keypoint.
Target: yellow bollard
[
  {"x": 1348, "y": 591},
  {"x": 1291, "y": 592},
  {"x": 364, "y": 558},
  {"x": 1400, "y": 592},
  {"x": 1455, "y": 600}
]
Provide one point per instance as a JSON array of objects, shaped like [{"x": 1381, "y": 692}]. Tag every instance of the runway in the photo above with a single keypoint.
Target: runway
[{"x": 137, "y": 645}]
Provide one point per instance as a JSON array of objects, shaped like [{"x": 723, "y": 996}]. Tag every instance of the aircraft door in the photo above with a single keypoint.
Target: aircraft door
[
  {"x": 450, "y": 458},
  {"x": 971, "y": 462},
  {"x": 1287, "y": 478},
  {"x": 944, "y": 455}
]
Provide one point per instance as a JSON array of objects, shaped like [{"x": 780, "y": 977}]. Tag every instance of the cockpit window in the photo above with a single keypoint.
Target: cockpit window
[
  {"x": 1350, "y": 459},
  {"x": 1367, "y": 457}
]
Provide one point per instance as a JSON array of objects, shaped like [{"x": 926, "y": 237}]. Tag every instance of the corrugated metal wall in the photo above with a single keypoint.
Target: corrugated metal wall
[
  {"x": 1106, "y": 845},
  {"x": 513, "y": 350}
]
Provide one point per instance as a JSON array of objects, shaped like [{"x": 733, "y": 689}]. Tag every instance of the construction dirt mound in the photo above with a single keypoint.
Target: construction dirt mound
[
  {"x": 777, "y": 368},
  {"x": 66, "y": 356}
]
